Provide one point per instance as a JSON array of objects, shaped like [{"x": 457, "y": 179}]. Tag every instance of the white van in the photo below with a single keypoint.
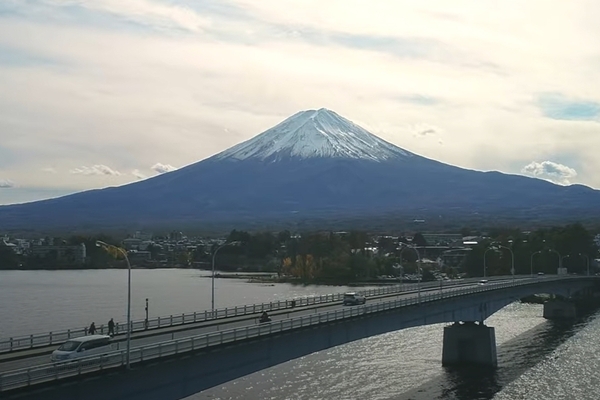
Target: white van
[{"x": 82, "y": 347}]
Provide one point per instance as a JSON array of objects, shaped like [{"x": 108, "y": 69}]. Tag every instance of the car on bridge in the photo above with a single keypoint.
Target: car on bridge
[
  {"x": 82, "y": 347},
  {"x": 353, "y": 299}
]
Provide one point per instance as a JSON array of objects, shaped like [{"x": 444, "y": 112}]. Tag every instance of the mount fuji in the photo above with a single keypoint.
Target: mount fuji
[
  {"x": 315, "y": 134},
  {"x": 315, "y": 165}
]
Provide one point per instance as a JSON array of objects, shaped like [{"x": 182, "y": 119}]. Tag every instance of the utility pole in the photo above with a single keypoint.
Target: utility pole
[{"x": 146, "y": 320}]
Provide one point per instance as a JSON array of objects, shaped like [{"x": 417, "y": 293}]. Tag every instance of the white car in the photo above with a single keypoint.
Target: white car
[
  {"x": 352, "y": 299},
  {"x": 82, "y": 347}
]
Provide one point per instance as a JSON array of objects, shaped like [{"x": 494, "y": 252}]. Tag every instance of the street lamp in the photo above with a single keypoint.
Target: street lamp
[
  {"x": 115, "y": 251},
  {"x": 484, "y": 264},
  {"x": 559, "y": 257},
  {"x": 537, "y": 252},
  {"x": 418, "y": 270},
  {"x": 587, "y": 262},
  {"x": 212, "y": 302},
  {"x": 512, "y": 260},
  {"x": 562, "y": 259}
]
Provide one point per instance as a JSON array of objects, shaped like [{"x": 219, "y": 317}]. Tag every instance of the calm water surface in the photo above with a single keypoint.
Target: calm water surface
[
  {"x": 538, "y": 359},
  {"x": 44, "y": 301}
]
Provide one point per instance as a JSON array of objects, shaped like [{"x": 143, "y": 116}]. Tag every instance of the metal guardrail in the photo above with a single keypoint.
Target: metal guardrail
[
  {"x": 51, "y": 372},
  {"x": 59, "y": 337}
]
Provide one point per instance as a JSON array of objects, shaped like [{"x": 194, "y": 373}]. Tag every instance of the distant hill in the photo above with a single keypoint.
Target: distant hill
[{"x": 315, "y": 165}]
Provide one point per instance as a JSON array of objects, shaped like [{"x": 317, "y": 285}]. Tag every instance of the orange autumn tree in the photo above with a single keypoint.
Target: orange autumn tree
[
  {"x": 311, "y": 267},
  {"x": 302, "y": 267},
  {"x": 286, "y": 266}
]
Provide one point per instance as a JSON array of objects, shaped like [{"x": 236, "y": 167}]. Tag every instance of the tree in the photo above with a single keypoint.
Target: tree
[
  {"x": 358, "y": 240},
  {"x": 419, "y": 240},
  {"x": 286, "y": 266},
  {"x": 465, "y": 232},
  {"x": 8, "y": 258},
  {"x": 239, "y": 236},
  {"x": 474, "y": 261},
  {"x": 184, "y": 258},
  {"x": 283, "y": 237},
  {"x": 427, "y": 275},
  {"x": 409, "y": 255},
  {"x": 386, "y": 245},
  {"x": 261, "y": 245}
]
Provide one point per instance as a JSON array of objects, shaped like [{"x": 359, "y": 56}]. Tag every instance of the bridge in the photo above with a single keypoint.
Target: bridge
[{"x": 175, "y": 369}]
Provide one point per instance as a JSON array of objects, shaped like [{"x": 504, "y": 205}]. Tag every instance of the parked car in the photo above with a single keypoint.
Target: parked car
[
  {"x": 352, "y": 299},
  {"x": 82, "y": 347}
]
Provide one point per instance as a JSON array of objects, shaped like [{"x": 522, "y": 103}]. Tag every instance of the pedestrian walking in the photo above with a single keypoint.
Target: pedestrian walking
[
  {"x": 92, "y": 329},
  {"x": 111, "y": 327}
]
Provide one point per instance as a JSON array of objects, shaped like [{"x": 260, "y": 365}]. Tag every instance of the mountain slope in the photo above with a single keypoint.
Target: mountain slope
[{"x": 313, "y": 164}]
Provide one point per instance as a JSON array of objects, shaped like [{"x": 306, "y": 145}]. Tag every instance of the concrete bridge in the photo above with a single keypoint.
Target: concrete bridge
[{"x": 180, "y": 369}]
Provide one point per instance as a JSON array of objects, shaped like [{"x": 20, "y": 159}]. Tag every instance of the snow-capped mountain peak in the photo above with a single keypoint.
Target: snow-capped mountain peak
[{"x": 315, "y": 133}]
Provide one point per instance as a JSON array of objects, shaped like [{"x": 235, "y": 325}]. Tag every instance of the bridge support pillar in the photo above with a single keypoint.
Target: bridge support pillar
[
  {"x": 559, "y": 309},
  {"x": 469, "y": 343}
]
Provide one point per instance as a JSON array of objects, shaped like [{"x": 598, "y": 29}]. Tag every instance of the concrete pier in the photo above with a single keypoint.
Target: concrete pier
[
  {"x": 559, "y": 309},
  {"x": 469, "y": 343}
]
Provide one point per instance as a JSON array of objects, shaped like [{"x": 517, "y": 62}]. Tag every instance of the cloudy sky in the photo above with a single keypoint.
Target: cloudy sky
[{"x": 96, "y": 93}]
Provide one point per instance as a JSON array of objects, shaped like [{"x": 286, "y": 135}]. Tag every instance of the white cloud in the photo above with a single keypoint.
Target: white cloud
[
  {"x": 162, "y": 168},
  {"x": 425, "y": 130},
  {"x": 98, "y": 169},
  {"x": 49, "y": 170},
  {"x": 5, "y": 183},
  {"x": 551, "y": 171},
  {"x": 138, "y": 174},
  {"x": 150, "y": 12}
]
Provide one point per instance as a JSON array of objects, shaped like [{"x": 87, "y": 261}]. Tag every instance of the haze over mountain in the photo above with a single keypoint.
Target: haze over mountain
[{"x": 314, "y": 164}]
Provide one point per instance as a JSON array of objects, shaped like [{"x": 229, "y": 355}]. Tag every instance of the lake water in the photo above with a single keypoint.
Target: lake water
[
  {"x": 45, "y": 301},
  {"x": 537, "y": 359}
]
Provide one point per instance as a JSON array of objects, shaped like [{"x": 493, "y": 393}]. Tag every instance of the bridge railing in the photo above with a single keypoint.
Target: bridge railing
[
  {"x": 59, "y": 337},
  {"x": 49, "y": 372}
]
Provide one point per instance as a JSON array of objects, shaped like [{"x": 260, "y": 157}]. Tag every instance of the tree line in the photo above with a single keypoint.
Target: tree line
[
  {"x": 543, "y": 250},
  {"x": 346, "y": 257},
  {"x": 359, "y": 256}
]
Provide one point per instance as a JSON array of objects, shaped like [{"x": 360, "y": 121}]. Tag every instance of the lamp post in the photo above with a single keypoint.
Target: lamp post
[
  {"x": 418, "y": 270},
  {"x": 562, "y": 264},
  {"x": 146, "y": 320},
  {"x": 484, "y": 264},
  {"x": 558, "y": 255},
  {"x": 212, "y": 301},
  {"x": 115, "y": 251},
  {"x": 536, "y": 252},
  {"x": 512, "y": 260},
  {"x": 587, "y": 262}
]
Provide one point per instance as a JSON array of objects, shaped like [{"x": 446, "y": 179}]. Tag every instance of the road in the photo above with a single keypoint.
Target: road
[{"x": 40, "y": 356}]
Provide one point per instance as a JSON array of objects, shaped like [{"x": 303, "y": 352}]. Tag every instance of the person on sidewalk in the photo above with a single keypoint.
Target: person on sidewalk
[
  {"x": 111, "y": 328},
  {"x": 92, "y": 329}
]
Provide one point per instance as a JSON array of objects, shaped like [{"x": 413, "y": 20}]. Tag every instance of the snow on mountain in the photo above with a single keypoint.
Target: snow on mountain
[{"x": 315, "y": 133}]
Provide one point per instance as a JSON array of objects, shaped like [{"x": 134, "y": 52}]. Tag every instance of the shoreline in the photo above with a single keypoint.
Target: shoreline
[{"x": 249, "y": 277}]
